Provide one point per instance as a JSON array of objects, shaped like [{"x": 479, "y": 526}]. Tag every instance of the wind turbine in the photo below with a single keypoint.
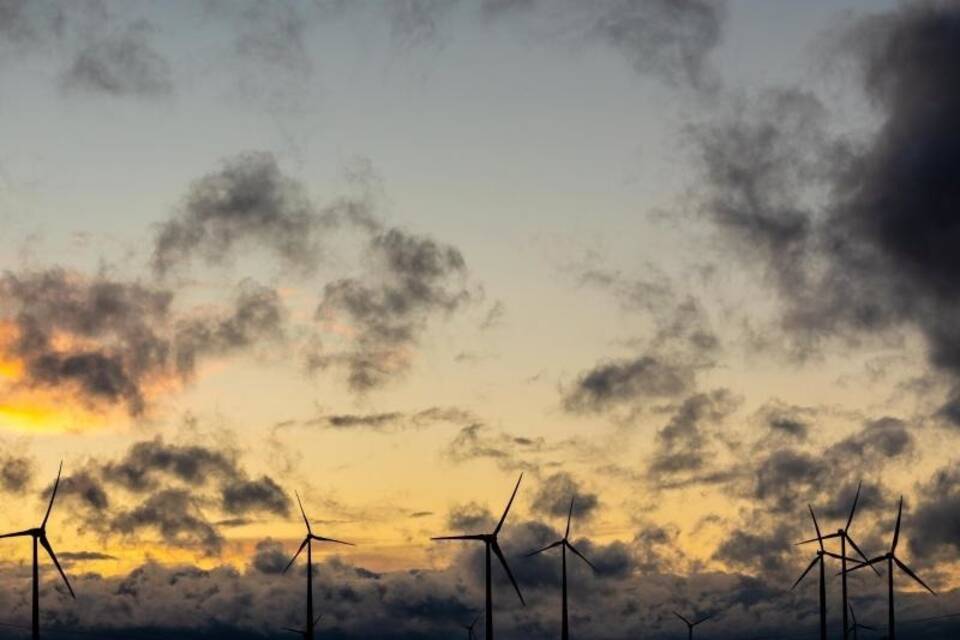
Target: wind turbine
[
  {"x": 892, "y": 559},
  {"x": 691, "y": 625},
  {"x": 492, "y": 546},
  {"x": 308, "y": 543},
  {"x": 856, "y": 625},
  {"x": 844, "y": 536},
  {"x": 39, "y": 535},
  {"x": 821, "y": 552},
  {"x": 469, "y": 628},
  {"x": 564, "y": 544},
  {"x": 302, "y": 632}
]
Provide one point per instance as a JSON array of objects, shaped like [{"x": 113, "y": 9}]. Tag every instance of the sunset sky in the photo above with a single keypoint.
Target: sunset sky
[{"x": 695, "y": 263}]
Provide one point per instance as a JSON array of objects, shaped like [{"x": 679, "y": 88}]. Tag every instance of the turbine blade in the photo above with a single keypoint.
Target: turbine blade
[
  {"x": 862, "y": 554},
  {"x": 681, "y": 617},
  {"x": 804, "y": 574},
  {"x": 317, "y": 620},
  {"x": 506, "y": 567},
  {"x": 322, "y": 539},
  {"x": 296, "y": 555},
  {"x": 569, "y": 517},
  {"x": 816, "y": 525},
  {"x": 869, "y": 563},
  {"x": 582, "y": 557},
  {"x": 507, "y": 510},
  {"x": 463, "y": 537},
  {"x": 896, "y": 530},
  {"x": 25, "y": 532},
  {"x": 854, "y": 507},
  {"x": 296, "y": 631},
  {"x": 546, "y": 548},
  {"x": 53, "y": 494},
  {"x": 53, "y": 556},
  {"x": 863, "y": 626},
  {"x": 303, "y": 513},
  {"x": 910, "y": 573},
  {"x": 837, "y": 556},
  {"x": 852, "y": 614},
  {"x": 826, "y": 537},
  {"x": 703, "y": 619}
]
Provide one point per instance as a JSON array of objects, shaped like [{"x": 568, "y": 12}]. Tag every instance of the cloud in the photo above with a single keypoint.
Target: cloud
[
  {"x": 554, "y": 495},
  {"x": 935, "y": 522},
  {"x": 470, "y": 517},
  {"x": 269, "y": 557},
  {"x": 176, "y": 515},
  {"x": 670, "y": 39},
  {"x": 16, "y": 473},
  {"x": 147, "y": 462},
  {"x": 390, "y": 421},
  {"x": 246, "y": 496},
  {"x": 412, "y": 278},
  {"x": 247, "y": 203},
  {"x": 510, "y": 452},
  {"x": 121, "y": 64},
  {"x": 858, "y": 236},
  {"x": 624, "y": 382}
]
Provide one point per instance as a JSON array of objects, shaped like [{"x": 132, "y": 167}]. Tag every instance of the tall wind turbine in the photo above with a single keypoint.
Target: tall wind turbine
[
  {"x": 691, "y": 625},
  {"x": 564, "y": 544},
  {"x": 308, "y": 543},
  {"x": 844, "y": 536},
  {"x": 892, "y": 559},
  {"x": 492, "y": 546},
  {"x": 856, "y": 625},
  {"x": 39, "y": 535},
  {"x": 469, "y": 628},
  {"x": 821, "y": 552}
]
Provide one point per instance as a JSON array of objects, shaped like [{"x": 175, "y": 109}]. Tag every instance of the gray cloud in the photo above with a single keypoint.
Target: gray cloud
[
  {"x": 624, "y": 382},
  {"x": 683, "y": 444},
  {"x": 246, "y": 496},
  {"x": 119, "y": 64},
  {"x": 269, "y": 557},
  {"x": 176, "y": 515},
  {"x": 413, "y": 278},
  {"x": 554, "y": 494},
  {"x": 16, "y": 473},
  {"x": 935, "y": 522}
]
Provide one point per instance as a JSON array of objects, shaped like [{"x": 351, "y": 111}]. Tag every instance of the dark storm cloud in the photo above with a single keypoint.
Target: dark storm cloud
[
  {"x": 121, "y": 64},
  {"x": 85, "y": 488},
  {"x": 935, "y": 522},
  {"x": 667, "y": 38},
  {"x": 16, "y": 472},
  {"x": 174, "y": 514},
  {"x": 148, "y": 462},
  {"x": 859, "y": 238},
  {"x": 757, "y": 550},
  {"x": 554, "y": 495},
  {"x": 624, "y": 382},
  {"x": 413, "y": 278},
  {"x": 261, "y": 495},
  {"x": 247, "y": 203}
]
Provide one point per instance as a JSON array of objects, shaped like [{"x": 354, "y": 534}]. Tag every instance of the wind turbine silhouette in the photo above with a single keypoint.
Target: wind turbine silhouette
[
  {"x": 308, "y": 543},
  {"x": 821, "y": 552},
  {"x": 844, "y": 535},
  {"x": 469, "y": 628},
  {"x": 892, "y": 559},
  {"x": 691, "y": 625},
  {"x": 856, "y": 625},
  {"x": 564, "y": 544},
  {"x": 39, "y": 535},
  {"x": 492, "y": 545},
  {"x": 302, "y": 632}
]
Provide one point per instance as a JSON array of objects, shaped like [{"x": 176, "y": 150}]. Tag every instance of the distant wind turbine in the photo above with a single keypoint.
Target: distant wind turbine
[
  {"x": 844, "y": 535},
  {"x": 302, "y": 632},
  {"x": 892, "y": 559},
  {"x": 492, "y": 546},
  {"x": 564, "y": 544},
  {"x": 39, "y": 535},
  {"x": 308, "y": 543},
  {"x": 469, "y": 628},
  {"x": 856, "y": 625},
  {"x": 691, "y": 625}
]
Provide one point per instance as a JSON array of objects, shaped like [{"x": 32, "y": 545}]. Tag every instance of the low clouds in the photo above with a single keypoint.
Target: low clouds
[{"x": 555, "y": 493}]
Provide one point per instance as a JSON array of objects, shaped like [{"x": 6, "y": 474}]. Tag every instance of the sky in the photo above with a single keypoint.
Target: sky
[{"x": 690, "y": 263}]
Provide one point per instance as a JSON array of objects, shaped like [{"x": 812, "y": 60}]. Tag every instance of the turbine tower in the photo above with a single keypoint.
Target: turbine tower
[
  {"x": 691, "y": 625},
  {"x": 39, "y": 535},
  {"x": 308, "y": 543},
  {"x": 564, "y": 544},
  {"x": 892, "y": 559},
  {"x": 844, "y": 536},
  {"x": 492, "y": 546},
  {"x": 856, "y": 625},
  {"x": 821, "y": 552}
]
